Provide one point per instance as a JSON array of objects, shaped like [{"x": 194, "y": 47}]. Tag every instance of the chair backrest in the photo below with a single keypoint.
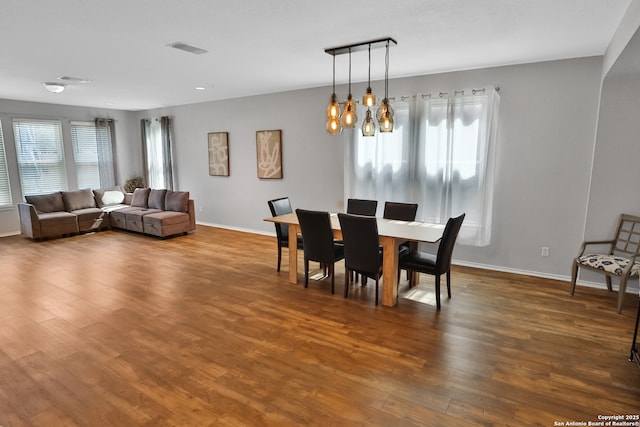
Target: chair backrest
[
  {"x": 361, "y": 245},
  {"x": 627, "y": 240},
  {"x": 317, "y": 236},
  {"x": 278, "y": 207},
  {"x": 362, "y": 207},
  {"x": 400, "y": 211},
  {"x": 445, "y": 250}
]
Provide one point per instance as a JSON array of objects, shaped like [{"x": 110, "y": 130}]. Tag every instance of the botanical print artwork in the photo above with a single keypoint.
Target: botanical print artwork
[
  {"x": 269, "y": 148},
  {"x": 219, "y": 154}
]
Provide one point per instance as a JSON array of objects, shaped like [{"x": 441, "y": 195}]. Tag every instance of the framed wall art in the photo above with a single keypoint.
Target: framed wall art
[
  {"x": 218, "y": 153},
  {"x": 269, "y": 150}
]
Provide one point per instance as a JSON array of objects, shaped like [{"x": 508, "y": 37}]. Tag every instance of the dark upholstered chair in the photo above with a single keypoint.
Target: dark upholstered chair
[
  {"x": 400, "y": 211},
  {"x": 318, "y": 242},
  {"x": 362, "y": 253},
  {"x": 280, "y": 207},
  {"x": 621, "y": 259},
  {"x": 438, "y": 264},
  {"x": 362, "y": 207}
]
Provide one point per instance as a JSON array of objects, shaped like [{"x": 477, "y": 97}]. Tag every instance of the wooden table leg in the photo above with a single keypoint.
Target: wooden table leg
[
  {"x": 293, "y": 253},
  {"x": 389, "y": 271}
]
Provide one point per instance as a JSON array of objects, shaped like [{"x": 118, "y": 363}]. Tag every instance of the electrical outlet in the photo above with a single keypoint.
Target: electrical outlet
[
  {"x": 199, "y": 208},
  {"x": 545, "y": 251}
]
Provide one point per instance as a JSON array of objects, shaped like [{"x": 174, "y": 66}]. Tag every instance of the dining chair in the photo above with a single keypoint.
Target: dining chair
[
  {"x": 278, "y": 207},
  {"x": 318, "y": 242},
  {"x": 401, "y": 212},
  {"x": 362, "y": 207},
  {"x": 621, "y": 259},
  {"x": 438, "y": 264},
  {"x": 362, "y": 252}
]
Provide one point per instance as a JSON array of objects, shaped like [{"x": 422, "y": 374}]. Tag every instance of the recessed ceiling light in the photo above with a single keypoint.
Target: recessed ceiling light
[
  {"x": 73, "y": 79},
  {"x": 200, "y": 88},
  {"x": 54, "y": 87}
]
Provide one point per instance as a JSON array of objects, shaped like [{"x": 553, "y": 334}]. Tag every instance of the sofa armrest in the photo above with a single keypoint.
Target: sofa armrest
[
  {"x": 29, "y": 222},
  {"x": 191, "y": 210}
]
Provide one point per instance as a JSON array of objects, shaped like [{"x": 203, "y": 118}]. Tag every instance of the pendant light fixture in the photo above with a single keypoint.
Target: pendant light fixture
[
  {"x": 333, "y": 110},
  {"x": 385, "y": 112},
  {"x": 337, "y": 120},
  {"x": 369, "y": 99},
  {"x": 349, "y": 117}
]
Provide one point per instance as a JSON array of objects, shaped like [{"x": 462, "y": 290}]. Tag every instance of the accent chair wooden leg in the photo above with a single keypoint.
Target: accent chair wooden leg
[
  {"x": 438, "y": 291},
  {"x": 621, "y": 292},
  {"x": 574, "y": 277},
  {"x": 608, "y": 279},
  {"x": 449, "y": 284}
]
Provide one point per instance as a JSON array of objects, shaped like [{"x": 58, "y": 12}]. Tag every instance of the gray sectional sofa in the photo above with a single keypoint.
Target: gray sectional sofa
[{"x": 159, "y": 213}]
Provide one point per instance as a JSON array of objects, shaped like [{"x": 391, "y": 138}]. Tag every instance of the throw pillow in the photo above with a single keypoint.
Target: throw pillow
[
  {"x": 140, "y": 197},
  {"x": 156, "y": 199},
  {"x": 78, "y": 199},
  {"x": 177, "y": 201},
  {"x": 100, "y": 192},
  {"x": 45, "y": 203},
  {"x": 112, "y": 197}
]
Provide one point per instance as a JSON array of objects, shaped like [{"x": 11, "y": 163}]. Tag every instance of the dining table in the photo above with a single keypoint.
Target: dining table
[{"x": 391, "y": 234}]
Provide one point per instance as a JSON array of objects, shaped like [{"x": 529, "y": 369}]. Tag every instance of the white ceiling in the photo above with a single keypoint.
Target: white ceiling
[{"x": 265, "y": 46}]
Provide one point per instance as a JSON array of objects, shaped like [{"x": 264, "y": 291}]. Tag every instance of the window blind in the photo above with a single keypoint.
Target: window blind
[
  {"x": 5, "y": 189},
  {"x": 40, "y": 156},
  {"x": 85, "y": 154}
]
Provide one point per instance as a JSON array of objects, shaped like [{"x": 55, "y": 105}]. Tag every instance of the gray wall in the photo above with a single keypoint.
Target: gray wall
[{"x": 546, "y": 133}]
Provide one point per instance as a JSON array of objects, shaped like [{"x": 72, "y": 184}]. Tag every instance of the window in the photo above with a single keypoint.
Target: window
[
  {"x": 40, "y": 156},
  {"x": 5, "y": 189},
  {"x": 93, "y": 154}
]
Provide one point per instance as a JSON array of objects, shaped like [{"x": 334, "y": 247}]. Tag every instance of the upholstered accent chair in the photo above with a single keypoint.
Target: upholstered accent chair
[{"x": 617, "y": 260}]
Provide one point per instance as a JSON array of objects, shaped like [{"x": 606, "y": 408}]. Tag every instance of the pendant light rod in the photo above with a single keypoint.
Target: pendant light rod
[{"x": 357, "y": 47}]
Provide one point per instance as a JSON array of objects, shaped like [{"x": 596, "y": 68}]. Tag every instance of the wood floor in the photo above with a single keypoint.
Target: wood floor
[{"x": 118, "y": 329}]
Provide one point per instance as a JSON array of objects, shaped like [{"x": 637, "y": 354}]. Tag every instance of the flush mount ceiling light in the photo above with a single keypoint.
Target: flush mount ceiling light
[
  {"x": 348, "y": 117},
  {"x": 54, "y": 87}
]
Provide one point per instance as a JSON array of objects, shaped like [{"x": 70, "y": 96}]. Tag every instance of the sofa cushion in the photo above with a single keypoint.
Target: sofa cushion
[
  {"x": 177, "y": 201},
  {"x": 78, "y": 199},
  {"x": 140, "y": 198},
  {"x": 166, "y": 223},
  {"x": 156, "y": 199},
  {"x": 45, "y": 203}
]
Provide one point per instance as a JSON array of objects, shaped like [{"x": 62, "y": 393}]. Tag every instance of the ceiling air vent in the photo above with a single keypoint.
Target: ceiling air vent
[
  {"x": 73, "y": 79},
  {"x": 187, "y": 48}
]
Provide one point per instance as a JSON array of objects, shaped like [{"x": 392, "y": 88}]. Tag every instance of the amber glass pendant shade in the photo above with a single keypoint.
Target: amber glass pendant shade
[
  {"x": 369, "y": 99},
  {"x": 383, "y": 109},
  {"x": 386, "y": 124},
  {"x": 349, "y": 117},
  {"x": 333, "y": 126},
  {"x": 333, "y": 110}
]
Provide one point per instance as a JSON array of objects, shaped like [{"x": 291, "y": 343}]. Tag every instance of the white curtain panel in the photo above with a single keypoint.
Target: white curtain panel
[{"x": 440, "y": 155}]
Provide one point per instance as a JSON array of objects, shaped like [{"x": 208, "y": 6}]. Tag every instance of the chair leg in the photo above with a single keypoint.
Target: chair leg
[
  {"x": 574, "y": 277},
  {"x": 377, "y": 280},
  {"x": 438, "y": 291},
  {"x": 279, "y": 257},
  {"x": 347, "y": 276},
  {"x": 333, "y": 278},
  {"x": 306, "y": 273},
  {"x": 449, "y": 284},
  {"x": 621, "y": 292},
  {"x": 608, "y": 279}
]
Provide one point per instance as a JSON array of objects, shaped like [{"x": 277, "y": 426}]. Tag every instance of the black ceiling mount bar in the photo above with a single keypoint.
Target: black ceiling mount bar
[{"x": 360, "y": 46}]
